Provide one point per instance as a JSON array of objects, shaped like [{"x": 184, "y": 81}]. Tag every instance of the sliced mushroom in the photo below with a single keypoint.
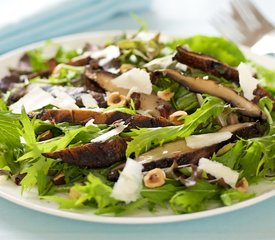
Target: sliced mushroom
[
  {"x": 207, "y": 64},
  {"x": 103, "y": 79},
  {"x": 200, "y": 85},
  {"x": 178, "y": 151},
  {"x": 94, "y": 155},
  {"x": 82, "y": 116}
]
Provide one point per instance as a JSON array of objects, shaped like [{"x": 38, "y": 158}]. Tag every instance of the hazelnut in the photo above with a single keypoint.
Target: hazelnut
[
  {"x": 242, "y": 185},
  {"x": 154, "y": 178},
  {"x": 116, "y": 99},
  {"x": 73, "y": 194},
  {"x": 165, "y": 95},
  {"x": 126, "y": 67},
  {"x": 174, "y": 117}
]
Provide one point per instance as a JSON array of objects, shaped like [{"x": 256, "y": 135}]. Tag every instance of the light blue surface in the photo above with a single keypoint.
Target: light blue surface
[{"x": 255, "y": 222}]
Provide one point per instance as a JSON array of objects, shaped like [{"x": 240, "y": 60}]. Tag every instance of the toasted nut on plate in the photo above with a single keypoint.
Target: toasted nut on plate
[
  {"x": 116, "y": 99},
  {"x": 154, "y": 178},
  {"x": 126, "y": 67},
  {"x": 242, "y": 185},
  {"x": 165, "y": 95},
  {"x": 73, "y": 194},
  {"x": 176, "y": 115}
]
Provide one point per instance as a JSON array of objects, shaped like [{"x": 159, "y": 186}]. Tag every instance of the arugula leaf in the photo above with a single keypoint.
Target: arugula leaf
[
  {"x": 3, "y": 106},
  {"x": 64, "y": 76},
  {"x": 252, "y": 157},
  {"x": 217, "y": 47},
  {"x": 64, "y": 55},
  {"x": 36, "y": 174},
  {"x": 144, "y": 139},
  {"x": 232, "y": 196},
  {"x": 195, "y": 198},
  {"x": 93, "y": 191},
  {"x": 161, "y": 195},
  {"x": 266, "y": 104},
  {"x": 9, "y": 125},
  {"x": 183, "y": 99},
  {"x": 37, "y": 60}
]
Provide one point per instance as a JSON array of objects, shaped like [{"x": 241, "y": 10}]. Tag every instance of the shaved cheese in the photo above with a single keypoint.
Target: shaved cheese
[
  {"x": 135, "y": 78},
  {"x": 104, "y": 137},
  {"x": 90, "y": 123},
  {"x": 64, "y": 101},
  {"x": 145, "y": 36},
  {"x": 129, "y": 184},
  {"x": 160, "y": 63},
  {"x": 208, "y": 139},
  {"x": 106, "y": 55},
  {"x": 88, "y": 100},
  {"x": 182, "y": 67},
  {"x": 247, "y": 82},
  {"x": 218, "y": 171},
  {"x": 35, "y": 99}
]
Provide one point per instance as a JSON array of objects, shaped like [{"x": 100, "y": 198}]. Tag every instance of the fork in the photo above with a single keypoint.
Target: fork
[{"x": 246, "y": 25}]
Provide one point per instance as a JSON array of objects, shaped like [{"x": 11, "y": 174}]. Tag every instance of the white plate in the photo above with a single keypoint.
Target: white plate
[{"x": 11, "y": 192}]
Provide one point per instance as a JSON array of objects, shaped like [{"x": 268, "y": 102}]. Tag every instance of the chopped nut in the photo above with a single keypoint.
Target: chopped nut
[
  {"x": 59, "y": 179},
  {"x": 116, "y": 99},
  {"x": 165, "y": 95},
  {"x": 154, "y": 178},
  {"x": 242, "y": 185},
  {"x": 73, "y": 194},
  {"x": 126, "y": 67},
  {"x": 176, "y": 115}
]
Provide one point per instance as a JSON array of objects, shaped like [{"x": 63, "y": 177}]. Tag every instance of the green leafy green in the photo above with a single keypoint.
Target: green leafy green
[
  {"x": 144, "y": 139},
  {"x": 252, "y": 157},
  {"x": 183, "y": 99},
  {"x": 93, "y": 191},
  {"x": 37, "y": 60},
  {"x": 195, "y": 198},
  {"x": 161, "y": 195},
  {"x": 266, "y": 104},
  {"x": 9, "y": 125},
  {"x": 64, "y": 76},
  {"x": 232, "y": 196},
  {"x": 267, "y": 77},
  {"x": 217, "y": 47}
]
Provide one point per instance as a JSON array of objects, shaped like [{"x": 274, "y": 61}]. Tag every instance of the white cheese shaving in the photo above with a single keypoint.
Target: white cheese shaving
[
  {"x": 135, "y": 78},
  {"x": 106, "y": 55},
  {"x": 64, "y": 101},
  {"x": 35, "y": 99},
  {"x": 208, "y": 139},
  {"x": 145, "y": 36},
  {"x": 129, "y": 184},
  {"x": 105, "y": 136},
  {"x": 160, "y": 63},
  {"x": 218, "y": 171},
  {"x": 88, "y": 100},
  {"x": 247, "y": 82},
  {"x": 182, "y": 67},
  {"x": 90, "y": 123}
]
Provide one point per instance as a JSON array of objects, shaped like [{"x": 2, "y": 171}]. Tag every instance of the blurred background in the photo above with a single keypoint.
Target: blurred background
[{"x": 26, "y": 21}]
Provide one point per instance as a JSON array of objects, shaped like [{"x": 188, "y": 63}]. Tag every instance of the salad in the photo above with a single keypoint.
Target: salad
[{"x": 136, "y": 123}]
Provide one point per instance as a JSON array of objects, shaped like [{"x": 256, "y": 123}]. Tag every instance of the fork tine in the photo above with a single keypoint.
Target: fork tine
[{"x": 227, "y": 26}]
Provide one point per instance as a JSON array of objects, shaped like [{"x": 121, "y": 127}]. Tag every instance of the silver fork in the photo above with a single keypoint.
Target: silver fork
[{"x": 246, "y": 25}]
